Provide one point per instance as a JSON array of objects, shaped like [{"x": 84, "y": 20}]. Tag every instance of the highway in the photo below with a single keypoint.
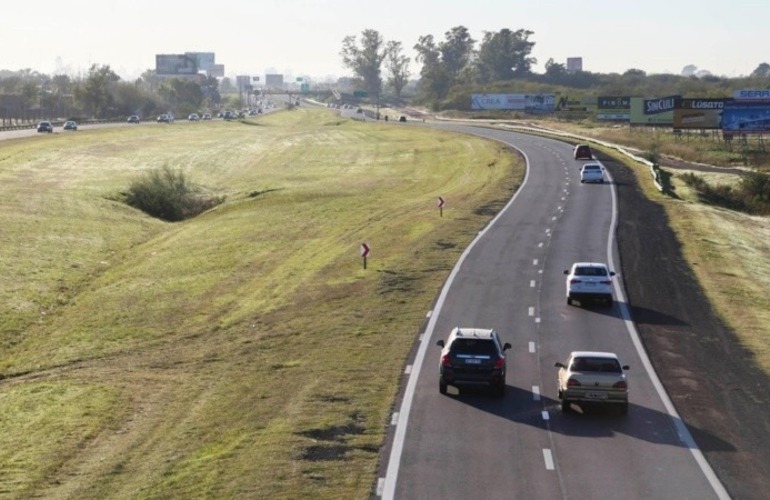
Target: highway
[{"x": 522, "y": 446}]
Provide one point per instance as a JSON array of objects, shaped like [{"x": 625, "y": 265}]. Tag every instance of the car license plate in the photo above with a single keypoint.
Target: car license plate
[
  {"x": 473, "y": 361},
  {"x": 596, "y": 395}
]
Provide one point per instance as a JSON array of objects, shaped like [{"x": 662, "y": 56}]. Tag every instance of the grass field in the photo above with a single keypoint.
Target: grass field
[{"x": 245, "y": 353}]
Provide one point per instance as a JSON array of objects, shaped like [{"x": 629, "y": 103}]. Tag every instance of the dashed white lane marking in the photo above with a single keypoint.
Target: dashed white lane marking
[
  {"x": 546, "y": 415},
  {"x": 548, "y": 459},
  {"x": 534, "y": 262},
  {"x": 532, "y": 283},
  {"x": 540, "y": 245},
  {"x": 537, "y": 320},
  {"x": 536, "y": 393},
  {"x": 394, "y": 418},
  {"x": 532, "y": 347},
  {"x": 408, "y": 370},
  {"x": 531, "y": 311}
]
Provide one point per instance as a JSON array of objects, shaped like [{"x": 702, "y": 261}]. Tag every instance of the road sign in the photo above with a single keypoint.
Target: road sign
[{"x": 364, "y": 252}]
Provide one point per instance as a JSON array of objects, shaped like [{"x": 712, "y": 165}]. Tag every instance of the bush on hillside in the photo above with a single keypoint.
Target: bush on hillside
[
  {"x": 167, "y": 195},
  {"x": 751, "y": 195}
]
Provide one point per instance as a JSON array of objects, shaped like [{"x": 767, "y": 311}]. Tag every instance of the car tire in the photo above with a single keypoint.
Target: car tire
[
  {"x": 608, "y": 301},
  {"x": 569, "y": 301},
  {"x": 442, "y": 387},
  {"x": 624, "y": 409},
  {"x": 500, "y": 391},
  {"x": 581, "y": 181},
  {"x": 601, "y": 181},
  {"x": 566, "y": 406}
]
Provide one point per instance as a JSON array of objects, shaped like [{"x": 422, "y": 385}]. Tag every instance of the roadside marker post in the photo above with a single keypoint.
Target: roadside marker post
[
  {"x": 364, "y": 252},
  {"x": 440, "y": 203}
]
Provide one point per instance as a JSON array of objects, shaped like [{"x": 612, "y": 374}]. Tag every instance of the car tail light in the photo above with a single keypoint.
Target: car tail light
[
  {"x": 573, "y": 383},
  {"x": 606, "y": 282},
  {"x": 573, "y": 281},
  {"x": 446, "y": 360},
  {"x": 620, "y": 385},
  {"x": 500, "y": 363}
]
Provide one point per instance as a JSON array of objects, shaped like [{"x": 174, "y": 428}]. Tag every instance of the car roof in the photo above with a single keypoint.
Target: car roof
[
  {"x": 478, "y": 333},
  {"x": 593, "y": 354}
]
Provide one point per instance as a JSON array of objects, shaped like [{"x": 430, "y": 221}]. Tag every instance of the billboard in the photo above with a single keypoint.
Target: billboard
[
  {"x": 218, "y": 70},
  {"x": 574, "y": 64},
  {"x": 517, "y": 102},
  {"x": 752, "y": 95},
  {"x": 274, "y": 81},
  {"x": 699, "y": 113},
  {"x": 746, "y": 117},
  {"x": 204, "y": 60},
  {"x": 659, "y": 111},
  {"x": 613, "y": 108},
  {"x": 175, "y": 64}
]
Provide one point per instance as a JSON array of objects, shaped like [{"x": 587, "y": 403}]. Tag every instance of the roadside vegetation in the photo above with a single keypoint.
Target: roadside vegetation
[{"x": 242, "y": 353}]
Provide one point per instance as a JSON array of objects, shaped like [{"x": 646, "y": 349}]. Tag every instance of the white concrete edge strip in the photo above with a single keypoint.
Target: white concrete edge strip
[
  {"x": 676, "y": 420},
  {"x": 548, "y": 458},
  {"x": 391, "y": 476}
]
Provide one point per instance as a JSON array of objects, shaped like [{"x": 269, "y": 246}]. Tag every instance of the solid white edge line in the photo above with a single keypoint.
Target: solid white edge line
[
  {"x": 394, "y": 461},
  {"x": 676, "y": 420},
  {"x": 536, "y": 393}
]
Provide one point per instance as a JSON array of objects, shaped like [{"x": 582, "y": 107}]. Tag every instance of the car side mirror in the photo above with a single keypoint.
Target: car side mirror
[
  {"x": 440, "y": 343},
  {"x": 559, "y": 365},
  {"x": 626, "y": 367},
  {"x": 506, "y": 346},
  {"x": 566, "y": 271},
  {"x": 612, "y": 273}
]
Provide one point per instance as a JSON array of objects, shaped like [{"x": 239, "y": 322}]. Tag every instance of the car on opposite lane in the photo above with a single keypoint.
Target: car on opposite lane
[
  {"x": 589, "y": 281},
  {"x": 70, "y": 125},
  {"x": 45, "y": 126},
  {"x": 473, "y": 357},
  {"x": 133, "y": 119},
  {"x": 592, "y": 172},
  {"x": 592, "y": 377}
]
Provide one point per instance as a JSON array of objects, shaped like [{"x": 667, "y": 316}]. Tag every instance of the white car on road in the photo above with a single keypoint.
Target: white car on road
[
  {"x": 592, "y": 172},
  {"x": 589, "y": 281}
]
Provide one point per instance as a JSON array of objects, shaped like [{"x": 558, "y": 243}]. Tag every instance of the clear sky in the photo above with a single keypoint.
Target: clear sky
[{"x": 304, "y": 37}]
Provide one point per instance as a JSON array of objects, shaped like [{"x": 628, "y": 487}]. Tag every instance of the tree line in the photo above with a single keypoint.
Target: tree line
[{"x": 457, "y": 66}]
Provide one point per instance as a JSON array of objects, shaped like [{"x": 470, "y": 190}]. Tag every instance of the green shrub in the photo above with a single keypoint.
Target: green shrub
[
  {"x": 751, "y": 196},
  {"x": 167, "y": 195}
]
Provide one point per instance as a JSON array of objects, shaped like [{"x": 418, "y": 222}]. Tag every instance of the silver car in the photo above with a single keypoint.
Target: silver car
[
  {"x": 592, "y": 377},
  {"x": 592, "y": 172}
]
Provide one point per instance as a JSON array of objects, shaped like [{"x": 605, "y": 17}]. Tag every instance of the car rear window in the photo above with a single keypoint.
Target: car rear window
[
  {"x": 591, "y": 167},
  {"x": 473, "y": 346},
  {"x": 603, "y": 365},
  {"x": 590, "y": 271}
]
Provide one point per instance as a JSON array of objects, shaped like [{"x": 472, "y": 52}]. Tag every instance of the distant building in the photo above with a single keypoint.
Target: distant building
[
  {"x": 274, "y": 82},
  {"x": 574, "y": 64}
]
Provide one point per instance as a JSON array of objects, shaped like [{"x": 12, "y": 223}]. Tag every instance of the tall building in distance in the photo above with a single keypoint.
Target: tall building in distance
[
  {"x": 574, "y": 64},
  {"x": 188, "y": 64}
]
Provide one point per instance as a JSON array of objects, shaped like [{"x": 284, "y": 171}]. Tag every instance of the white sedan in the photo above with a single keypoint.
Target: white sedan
[
  {"x": 592, "y": 172},
  {"x": 589, "y": 281}
]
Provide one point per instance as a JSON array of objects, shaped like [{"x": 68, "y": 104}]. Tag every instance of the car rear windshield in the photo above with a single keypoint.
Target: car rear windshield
[
  {"x": 603, "y": 365},
  {"x": 591, "y": 167},
  {"x": 590, "y": 271},
  {"x": 473, "y": 346}
]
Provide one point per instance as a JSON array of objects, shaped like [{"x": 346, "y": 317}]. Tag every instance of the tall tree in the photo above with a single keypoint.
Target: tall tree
[
  {"x": 763, "y": 70},
  {"x": 365, "y": 60},
  {"x": 504, "y": 55},
  {"x": 397, "y": 65},
  {"x": 95, "y": 93},
  {"x": 444, "y": 64},
  {"x": 457, "y": 51}
]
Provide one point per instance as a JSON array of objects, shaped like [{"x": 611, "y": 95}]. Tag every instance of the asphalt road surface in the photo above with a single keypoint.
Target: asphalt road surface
[{"x": 511, "y": 279}]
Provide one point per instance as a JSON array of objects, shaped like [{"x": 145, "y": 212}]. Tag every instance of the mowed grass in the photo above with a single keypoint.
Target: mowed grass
[{"x": 245, "y": 353}]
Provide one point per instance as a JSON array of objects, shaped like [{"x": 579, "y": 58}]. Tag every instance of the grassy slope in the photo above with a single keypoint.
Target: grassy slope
[{"x": 246, "y": 352}]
